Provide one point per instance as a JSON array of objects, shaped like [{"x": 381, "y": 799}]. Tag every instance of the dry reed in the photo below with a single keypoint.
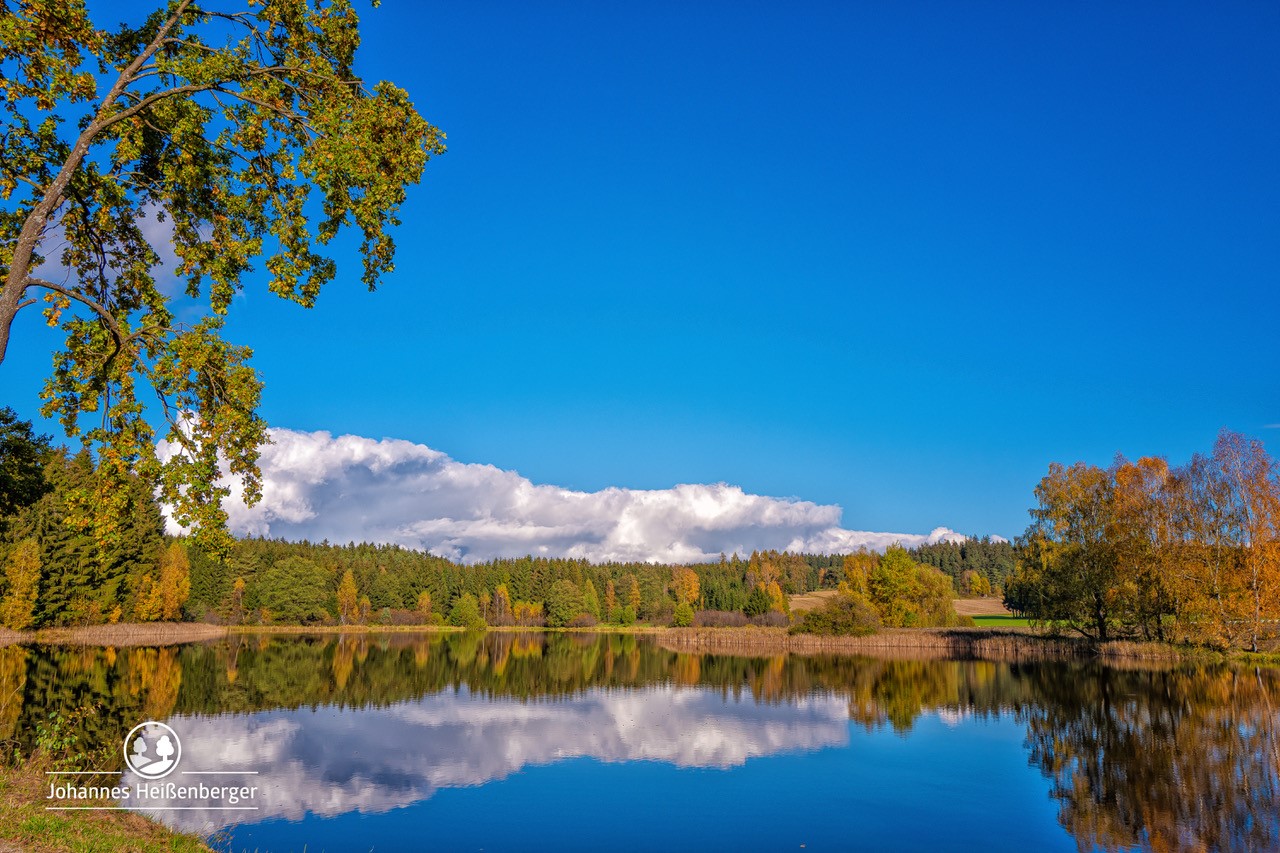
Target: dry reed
[
  {"x": 119, "y": 635},
  {"x": 916, "y": 643}
]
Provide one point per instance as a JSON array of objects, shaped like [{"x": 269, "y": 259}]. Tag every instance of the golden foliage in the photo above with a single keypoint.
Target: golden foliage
[{"x": 22, "y": 576}]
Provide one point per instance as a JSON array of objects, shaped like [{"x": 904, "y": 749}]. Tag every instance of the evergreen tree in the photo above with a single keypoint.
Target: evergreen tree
[
  {"x": 591, "y": 601},
  {"x": 564, "y": 603},
  {"x": 22, "y": 455}
]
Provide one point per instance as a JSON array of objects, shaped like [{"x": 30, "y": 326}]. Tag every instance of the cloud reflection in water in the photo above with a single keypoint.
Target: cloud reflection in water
[{"x": 332, "y": 760}]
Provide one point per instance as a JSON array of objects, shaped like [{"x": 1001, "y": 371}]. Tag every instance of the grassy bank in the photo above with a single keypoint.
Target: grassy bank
[
  {"x": 1000, "y": 622},
  {"x": 25, "y": 823}
]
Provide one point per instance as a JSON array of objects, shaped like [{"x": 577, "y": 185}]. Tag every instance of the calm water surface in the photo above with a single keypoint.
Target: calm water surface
[{"x": 537, "y": 742}]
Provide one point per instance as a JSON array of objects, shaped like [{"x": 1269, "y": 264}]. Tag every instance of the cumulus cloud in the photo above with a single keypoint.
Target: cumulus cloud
[{"x": 348, "y": 488}]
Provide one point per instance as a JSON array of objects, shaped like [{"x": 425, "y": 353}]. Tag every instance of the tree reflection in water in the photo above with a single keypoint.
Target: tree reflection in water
[{"x": 1150, "y": 758}]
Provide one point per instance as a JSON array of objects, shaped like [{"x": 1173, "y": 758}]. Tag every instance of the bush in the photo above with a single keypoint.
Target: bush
[
  {"x": 683, "y": 615},
  {"x": 772, "y": 619},
  {"x": 846, "y": 615},
  {"x": 582, "y": 620},
  {"x": 400, "y": 616},
  {"x": 719, "y": 619},
  {"x": 466, "y": 613},
  {"x": 624, "y": 615}
]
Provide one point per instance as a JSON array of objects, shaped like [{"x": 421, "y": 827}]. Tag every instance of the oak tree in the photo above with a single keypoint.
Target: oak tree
[{"x": 248, "y": 137}]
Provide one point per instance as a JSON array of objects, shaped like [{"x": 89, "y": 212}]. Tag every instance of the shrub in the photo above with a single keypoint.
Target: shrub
[
  {"x": 582, "y": 620},
  {"x": 400, "y": 616},
  {"x": 683, "y": 615},
  {"x": 772, "y": 619},
  {"x": 466, "y": 613},
  {"x": 624, "y": 615},
  {"x": 846, "y": 615},
  {"x": 719, "y": 619}
]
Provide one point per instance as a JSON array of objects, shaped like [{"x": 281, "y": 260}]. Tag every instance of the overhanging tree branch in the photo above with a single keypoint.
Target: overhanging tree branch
[{"x": 230, "y": 141}]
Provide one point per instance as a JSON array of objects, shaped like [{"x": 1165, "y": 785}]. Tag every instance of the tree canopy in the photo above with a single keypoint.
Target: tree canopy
[
  {"x": 1142, "y": 549},
  {"x": 21, "y": 471},
  {"x": 248, "y": 137}
]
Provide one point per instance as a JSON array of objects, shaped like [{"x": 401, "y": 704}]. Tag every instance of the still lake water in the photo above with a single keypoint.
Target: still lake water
[{"x": 578, "y": 742}]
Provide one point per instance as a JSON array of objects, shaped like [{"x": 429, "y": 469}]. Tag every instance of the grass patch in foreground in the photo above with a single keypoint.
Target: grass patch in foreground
[
  {"x": 1000, "y": 622},
  {"x": 25, "y": 824}
]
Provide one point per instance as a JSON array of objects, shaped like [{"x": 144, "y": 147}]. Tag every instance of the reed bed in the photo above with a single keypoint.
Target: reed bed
[
  {"x": 915, "y": 643},
  {"x": 119, "y": 635},
  {"x": 343, "y": 629}
]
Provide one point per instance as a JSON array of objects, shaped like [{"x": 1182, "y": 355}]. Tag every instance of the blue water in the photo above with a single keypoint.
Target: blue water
[
  {"x": 963, "y": 788},
  {"x": 507, "y": 742}
]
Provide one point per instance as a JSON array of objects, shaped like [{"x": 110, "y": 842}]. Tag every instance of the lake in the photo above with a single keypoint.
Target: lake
[{"x": 513, "y": 741}]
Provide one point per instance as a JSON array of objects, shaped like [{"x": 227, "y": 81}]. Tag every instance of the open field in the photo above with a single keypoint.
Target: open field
[
  {"x": 976, "y": 607},
  {"x": 980, "y": 607},
  {"x": 810, "y": 600},
  {"x": 1001, "y": 622}
]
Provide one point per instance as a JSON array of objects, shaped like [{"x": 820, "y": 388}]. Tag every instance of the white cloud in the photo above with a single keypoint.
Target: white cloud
[{"x": 348, "y": 488}]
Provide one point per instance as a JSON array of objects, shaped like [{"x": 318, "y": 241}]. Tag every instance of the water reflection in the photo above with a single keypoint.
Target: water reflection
[
  {"x": 1160, "y": 759},
  {"x": 336, "y": 760}
]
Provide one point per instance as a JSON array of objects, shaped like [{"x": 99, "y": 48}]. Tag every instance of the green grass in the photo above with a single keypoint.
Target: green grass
[
  {"x": 25, "y": 824},
  {"x": 1001, "y": 622}
]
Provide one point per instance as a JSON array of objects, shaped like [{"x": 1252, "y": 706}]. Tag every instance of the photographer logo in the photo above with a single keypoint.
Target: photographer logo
[{"x": 152, "y": 750}]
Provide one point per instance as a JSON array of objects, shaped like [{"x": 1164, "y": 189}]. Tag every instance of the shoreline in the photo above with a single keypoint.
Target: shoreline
[
  {"x": 993, "y": 643},
  {"x": 127, "y": 634}
]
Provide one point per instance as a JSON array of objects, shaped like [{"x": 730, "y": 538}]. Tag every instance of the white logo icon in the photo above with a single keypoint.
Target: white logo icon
[{"x": 152, "y": 750}]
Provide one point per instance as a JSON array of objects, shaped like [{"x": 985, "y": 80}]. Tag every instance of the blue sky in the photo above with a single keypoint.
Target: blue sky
[{"x": 895, "y": 257}]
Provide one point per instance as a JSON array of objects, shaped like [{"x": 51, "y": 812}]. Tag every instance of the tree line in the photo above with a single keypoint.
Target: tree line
[
  {"x": 1139, "y": 549},
  {"x": 77, "y": 550}
]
